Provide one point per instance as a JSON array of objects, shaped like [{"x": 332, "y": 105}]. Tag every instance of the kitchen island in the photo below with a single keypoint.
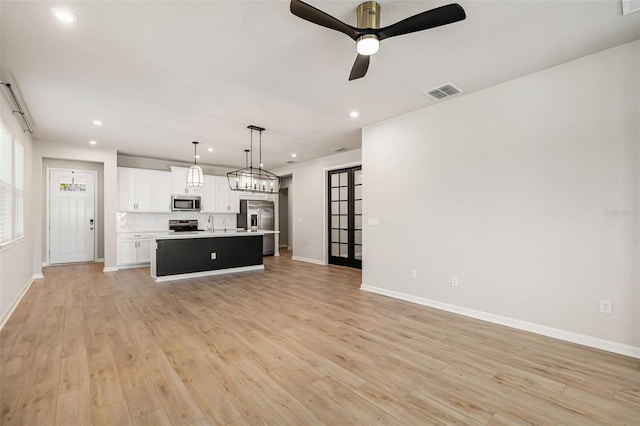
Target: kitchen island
[{"x": 180, "y": 255}]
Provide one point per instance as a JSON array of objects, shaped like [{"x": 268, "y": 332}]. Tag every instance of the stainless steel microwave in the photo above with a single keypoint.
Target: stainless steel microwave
[{"x": 185, "y": 203}]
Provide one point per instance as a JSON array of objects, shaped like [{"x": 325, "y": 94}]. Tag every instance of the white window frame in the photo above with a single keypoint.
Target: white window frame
[
  {"x": 18, "y": 190},
  {"x": 6, "y": 185},
  {"x": 13, "y": 184}
]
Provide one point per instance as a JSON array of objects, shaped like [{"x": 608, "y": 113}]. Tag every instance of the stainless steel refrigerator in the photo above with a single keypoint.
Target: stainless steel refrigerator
[{"x": 259, "y": 216}]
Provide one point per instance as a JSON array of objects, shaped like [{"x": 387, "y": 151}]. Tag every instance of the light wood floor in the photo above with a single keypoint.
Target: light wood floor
[{"x": 295, "y": 344}]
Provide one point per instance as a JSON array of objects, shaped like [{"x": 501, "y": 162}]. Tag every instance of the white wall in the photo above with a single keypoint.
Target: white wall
[
  {"x": 527, "y": 191},
  {"x": 16, "y": 267},
  {"x": 308, "y": 197},
  {"x": 108, "y": 158}
]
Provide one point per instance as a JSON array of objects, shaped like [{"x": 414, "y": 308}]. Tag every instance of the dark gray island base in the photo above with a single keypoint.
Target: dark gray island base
[{"x": 187, "y": 256}]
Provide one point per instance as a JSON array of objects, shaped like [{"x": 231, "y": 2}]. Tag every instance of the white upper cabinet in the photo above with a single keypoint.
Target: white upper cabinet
[
  {"x": 141, "y": 190},
  {"x": 179, "y": 182},
  {"x": 227, "y": 201},
  {"x": 209, "y": 202},
  {"x": 161, "y": 191}
]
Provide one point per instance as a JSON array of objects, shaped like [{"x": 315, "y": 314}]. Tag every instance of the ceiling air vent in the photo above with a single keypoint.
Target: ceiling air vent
[
  {"x": 290, "y": 162},
  {"x": 442, "y": 91},
  {"x": 341, "y": 149}
]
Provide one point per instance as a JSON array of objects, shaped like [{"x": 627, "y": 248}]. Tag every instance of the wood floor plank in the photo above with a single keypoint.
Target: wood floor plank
[
  {"x": 74, "y": 407},
  {"x": 175, "y": 397},
  {"x": 294, "y": 344}
]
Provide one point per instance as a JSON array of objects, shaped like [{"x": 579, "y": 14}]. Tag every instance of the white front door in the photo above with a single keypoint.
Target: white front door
[{"x": 72, "y": 220}]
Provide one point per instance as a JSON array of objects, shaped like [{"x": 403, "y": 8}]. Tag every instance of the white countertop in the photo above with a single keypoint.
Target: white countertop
[{"x": 169, "y": 235}]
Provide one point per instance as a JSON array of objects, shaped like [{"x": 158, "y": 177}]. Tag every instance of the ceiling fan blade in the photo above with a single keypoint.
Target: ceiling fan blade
[
  {"x": 430, "y": 19},
  {"x": 360, "y": 67},
  {"x": 311, "y": 14}
]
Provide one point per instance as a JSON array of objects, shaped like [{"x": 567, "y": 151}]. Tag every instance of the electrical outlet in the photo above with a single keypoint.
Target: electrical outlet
[
  {"x": 213, "y": 256},
  {"x": 454, "y": 281},
  {"x": 606, "y": 307},
  {"x": 414, "y": 274}
]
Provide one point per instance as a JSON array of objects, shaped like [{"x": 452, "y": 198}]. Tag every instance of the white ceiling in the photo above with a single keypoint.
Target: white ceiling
[{"x": 161, "y": 74}]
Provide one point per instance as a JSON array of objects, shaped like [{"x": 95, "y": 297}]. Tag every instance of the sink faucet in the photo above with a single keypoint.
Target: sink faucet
[
  {"x": 224, "y": 222},
  {"x": 210, "y": 220}
]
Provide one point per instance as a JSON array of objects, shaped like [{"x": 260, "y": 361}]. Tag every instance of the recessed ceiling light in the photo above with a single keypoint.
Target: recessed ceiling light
[
  {"x": 197, "y": 157},
  {"x": 98, "y": 122},
  {"x": 261, "y": 164},
  {"x": 294, "y": 155},
  {"x": 354, "y": 114},
  {"x": 210, "y": 149},
  {"x": 64, "y": 15},
  {"x": 93, "y": 142}
]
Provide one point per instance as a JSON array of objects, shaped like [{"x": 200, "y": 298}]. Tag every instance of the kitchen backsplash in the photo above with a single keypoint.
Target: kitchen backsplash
[{"x": 151, "y": 222}]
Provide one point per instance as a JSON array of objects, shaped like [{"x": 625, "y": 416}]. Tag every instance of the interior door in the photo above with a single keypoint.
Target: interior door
[
  {"x": 71, "y": 216},
  {"x": 345, "y": 217}
]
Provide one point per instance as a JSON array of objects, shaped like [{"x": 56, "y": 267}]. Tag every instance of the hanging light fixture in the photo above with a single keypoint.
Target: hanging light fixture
[
  {"x": 251, "y": 178},
  {"x": 195, "y": 178}
]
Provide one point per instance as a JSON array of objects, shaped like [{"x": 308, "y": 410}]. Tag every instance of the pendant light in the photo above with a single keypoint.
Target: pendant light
[
  {"x": 195, "y": 177},
  {"x": 251, "y": 178}
]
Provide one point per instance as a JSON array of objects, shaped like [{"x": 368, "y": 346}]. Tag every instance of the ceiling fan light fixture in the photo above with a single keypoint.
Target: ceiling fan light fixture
[{"x": 367, "y": 44}]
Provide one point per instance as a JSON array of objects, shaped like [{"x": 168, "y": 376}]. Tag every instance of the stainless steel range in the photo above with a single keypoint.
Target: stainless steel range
[{"x": 184, "y": 225}]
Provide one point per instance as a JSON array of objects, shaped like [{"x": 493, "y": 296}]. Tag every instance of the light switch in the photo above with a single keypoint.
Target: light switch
[{"x": 373, "y": 221}]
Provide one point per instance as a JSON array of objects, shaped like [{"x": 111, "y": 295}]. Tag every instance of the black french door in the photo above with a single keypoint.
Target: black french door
[{"x": 345, "y": 216}]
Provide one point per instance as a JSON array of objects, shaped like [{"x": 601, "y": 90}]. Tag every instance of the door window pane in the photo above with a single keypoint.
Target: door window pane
[
  {"x": 357, "y": 235},
  {"x": 358, "y": 252},
  {"x": 358, "y": 207},
  {"x": 343, "y": 194},
  {"x": 344, "y": 250},
  {"x": 335, "y": 194},
  {"x": 357, "y": 177},
  {"x": 335, "y": 250},
  {"x": 335, "y": 221},
  {"x": 344, "y": 223},
  {"x": 358, "y": 222},
  {"x": 344, "y": 236},
  {"x": 344, "y": 208},
  {"x": 357, "y": 192},
  {"x": 335, "y": 207},
  {"x": 343, "y": 179},
  {"x": 335, "y": 180}
]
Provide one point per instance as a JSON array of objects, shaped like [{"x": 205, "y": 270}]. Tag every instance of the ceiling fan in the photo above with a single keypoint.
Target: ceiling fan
[{"x": 368, "y": 33}]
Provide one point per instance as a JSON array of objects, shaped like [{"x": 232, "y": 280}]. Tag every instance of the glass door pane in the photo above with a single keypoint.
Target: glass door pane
[{"x": 345, "y": 216}]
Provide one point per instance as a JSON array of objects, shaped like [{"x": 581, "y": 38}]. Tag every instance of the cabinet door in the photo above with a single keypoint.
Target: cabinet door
[
  {"x": 179, "y": 182},
  {"x": 161, "y": 196},
  {"x": 144, "y": 180},
  {"x": 126, "y": 190},
  {"x": 144, "y": 251},
  {"x": 221, "y": 194},
  {"x": 127, "y": 251},
  {"x": 209, "y": 191},
  {"x": 233, "y": 199}
]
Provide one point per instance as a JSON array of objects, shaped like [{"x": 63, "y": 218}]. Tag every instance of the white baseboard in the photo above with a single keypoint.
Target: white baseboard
[
  {"x": 17, "y": 300},
  {"x": 556, "y": 333},
  {"x": 308, "y": 260},
  {"x": 100, "y": 259},
  {"x": 110, "y": 269}
]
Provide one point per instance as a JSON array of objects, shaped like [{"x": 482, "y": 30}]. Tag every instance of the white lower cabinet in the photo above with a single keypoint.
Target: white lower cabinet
[{"x": 133, "y": 249}]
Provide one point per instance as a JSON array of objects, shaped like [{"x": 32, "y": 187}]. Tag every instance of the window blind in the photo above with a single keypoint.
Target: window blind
[
  {"x": 5, "y": 185},
  {"x": 18, "y": 191}
]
